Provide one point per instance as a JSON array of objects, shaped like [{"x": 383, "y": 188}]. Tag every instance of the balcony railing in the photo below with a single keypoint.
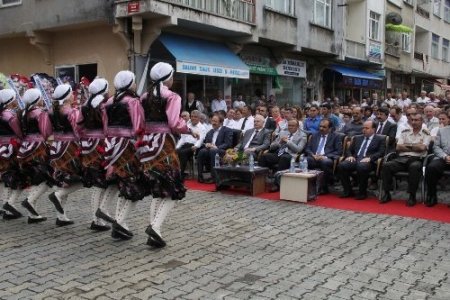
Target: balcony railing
[
  {"x": 423, "y": 12},
  {"x": 241, "y": 10},
  {"x": 356, "y": 50}
]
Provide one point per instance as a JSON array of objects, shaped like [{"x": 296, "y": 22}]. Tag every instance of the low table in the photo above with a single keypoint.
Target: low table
[
  {"x": 242, "y": 176},
  {"x": 300, "y": 187}
]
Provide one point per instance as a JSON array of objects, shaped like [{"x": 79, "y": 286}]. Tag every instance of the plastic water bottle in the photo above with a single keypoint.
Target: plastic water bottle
[
  {"x": 251, "y": 163},
  {"x": 303, "y": 164},
  {"x": 217, "y": 160},
  {"x": 292, "y": 166}
]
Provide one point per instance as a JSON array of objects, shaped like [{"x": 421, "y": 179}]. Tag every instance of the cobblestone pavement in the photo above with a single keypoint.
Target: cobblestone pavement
[{"x": 228, "y": 247}]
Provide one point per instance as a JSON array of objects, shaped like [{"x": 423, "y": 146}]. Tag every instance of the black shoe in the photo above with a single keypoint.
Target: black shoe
[
  {"x": 36, "y": 220},
  {"x": 8, "y": 216},
  {"x": 385, "y": 198},
  {"x": 115, "y": 234},
  {"x": 52, "y": 197},
  {"x": 8, "y": 207},
  {"x": 411, "y": 200},
  {"x": 117, "y": 227},
  {"x": 29, "y": 207},
  {"x": 431, "y": 201},
  {"x": 346, "y": 195},
  {"x": 100, "y": 214},
  {"x": 98, "y": 227},
  {"x": 361, "y": 196},
  {"x": 154, "y": 239},
  {"x": 61, "y": 223}
]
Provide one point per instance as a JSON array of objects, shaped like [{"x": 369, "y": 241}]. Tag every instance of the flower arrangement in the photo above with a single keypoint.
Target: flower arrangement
[{"x": 233, "y": 157}]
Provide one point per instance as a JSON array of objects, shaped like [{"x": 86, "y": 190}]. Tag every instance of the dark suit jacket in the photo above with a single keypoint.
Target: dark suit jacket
[
  {"x": 261, "y": 142},
  {"x": 224, "y": 138},
  {"x": 333, "y": 146},
  {"x": 375, "y": 150},
  {"x": 270, "y": 124},
  {"x": 390, "y": 129}
]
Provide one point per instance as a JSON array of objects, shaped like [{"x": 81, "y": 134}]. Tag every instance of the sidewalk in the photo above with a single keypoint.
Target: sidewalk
[{"x": 228, "y": 247}]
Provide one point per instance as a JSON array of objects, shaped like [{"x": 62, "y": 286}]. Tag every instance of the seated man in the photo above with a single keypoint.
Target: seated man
[
  {"x": 441, "y": 162},
  {"x": 288, "y": 143},
  {"x": 411, "y": 147},
  {"x": 217, "y": 140},
  {"x": 188, "y": 144},
  {"x": 322, "y": 149},
  {"x": 256, "y": 139},
  {"x": 362, "y": 156}
]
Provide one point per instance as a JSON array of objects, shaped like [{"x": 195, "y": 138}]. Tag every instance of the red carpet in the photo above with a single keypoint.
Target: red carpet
[{"x": 440, "y": 212}]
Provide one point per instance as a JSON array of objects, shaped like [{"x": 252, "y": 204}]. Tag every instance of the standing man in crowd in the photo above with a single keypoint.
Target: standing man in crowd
[
  {"x": 193, "y": 104},
  {"x": 311, "y": 124},
  {"x": 218, "y": 103}
]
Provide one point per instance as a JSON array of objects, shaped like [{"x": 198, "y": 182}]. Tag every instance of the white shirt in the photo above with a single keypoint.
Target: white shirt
[
  {"x": 238, "y": 103},
  {"x": 403, "y": 102},
  {"x": 186, "y": 138},
  {"x": 215, "y": 134},
  {"x": 218, "y": 104},
  {"x": 391, "y": 102},
  {"x": 402, "y": 127},
  {"x": 249, "y": 124},
  {"x": 423, "y": 100}
]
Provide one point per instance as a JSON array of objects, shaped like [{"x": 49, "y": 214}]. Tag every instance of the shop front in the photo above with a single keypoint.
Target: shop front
[
  {"x": 202, "y": 67},
  {"x": 290, "y": 89},
  {"x": 350, "y": 83}
]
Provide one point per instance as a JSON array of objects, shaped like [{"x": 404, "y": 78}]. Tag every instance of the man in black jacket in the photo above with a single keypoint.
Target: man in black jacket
[
  {"x": 322, "y": 149},
  {"x": 386, "y": 128},
  {"x": 217, "y": 140},
  {"x": 362, "y": 156}
]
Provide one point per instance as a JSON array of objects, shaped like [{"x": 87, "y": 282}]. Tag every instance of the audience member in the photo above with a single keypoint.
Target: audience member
[
  {"x": 356, "y": 125},
  {"x": 256, "y": 139},
  {"x": 311, "y": 124},
  {"x": 218, "y": 103}
]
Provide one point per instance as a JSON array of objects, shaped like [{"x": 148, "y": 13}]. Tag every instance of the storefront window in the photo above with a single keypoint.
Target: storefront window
[
  {"x": 251, "y": 88},
  {"x": 288, "y": 90}
]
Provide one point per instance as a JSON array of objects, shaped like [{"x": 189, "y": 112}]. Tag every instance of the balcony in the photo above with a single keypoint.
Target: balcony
[
  {"x": 356, "y": 50},
  {"x": 392, "y": 50},
  {"x": 241, "y": 10}
]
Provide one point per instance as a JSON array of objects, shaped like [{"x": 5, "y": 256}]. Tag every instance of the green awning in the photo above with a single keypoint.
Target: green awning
[{"x": 398, "y": 28}]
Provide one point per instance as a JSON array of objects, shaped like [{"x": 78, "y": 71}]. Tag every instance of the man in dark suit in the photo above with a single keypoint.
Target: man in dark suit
[
  {"x": 386, "y": 128},
  {"x": 362, "y": 156},
  {"x": 217, "y": 140},
  {"x": 269, "y": 123},
  {"x": 256, "y": 139},
  {"x": 322, "y": 149}
]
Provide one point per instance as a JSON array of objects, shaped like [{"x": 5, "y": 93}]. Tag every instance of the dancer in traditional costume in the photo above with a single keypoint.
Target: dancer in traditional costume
[
  {"x": 157, "y": 149},
  {"x": 64, "y": 151},
  {"x": 124, "y": 118},
  {"x": 92, "y": 151},
  {"x": 33, "y": 152},
  {"x": 10, "y": 135}
]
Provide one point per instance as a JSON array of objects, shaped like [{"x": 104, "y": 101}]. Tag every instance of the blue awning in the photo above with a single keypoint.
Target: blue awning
[
  {"x": 196, "y": 56},
  {"x": 350, "y": 72}
]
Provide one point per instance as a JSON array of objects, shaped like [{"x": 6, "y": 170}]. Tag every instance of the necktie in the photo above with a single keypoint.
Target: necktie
[
  {"x": 380, "y": 128},
  {"x": 362, "y": 150},
  {"x": 283, "y": 147},
  {"x": 321, "y": 145},
  {"x": 243, "y": 123},
  {"x": 252, "y": 140}
]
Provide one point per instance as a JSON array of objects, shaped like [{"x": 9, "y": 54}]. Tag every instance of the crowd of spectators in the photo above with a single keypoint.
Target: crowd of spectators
[{"x": 347, "y": 142}]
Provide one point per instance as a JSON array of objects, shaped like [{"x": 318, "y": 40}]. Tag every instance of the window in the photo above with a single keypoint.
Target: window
[
  {"x": 322, "y": 13},
  {"x": 447, "y": 11},
  {"x": 5, "y": 3},
  {"x": 445, "y": 46},
  {"x": 284, "y": 6},
  {"x": 374, "y": 26},
  {"x": 406, "y": 42},
  {"x": 435, "y": 46},
  {"x": 75, "y": 72},
  {"x": 437, "y": 8}
]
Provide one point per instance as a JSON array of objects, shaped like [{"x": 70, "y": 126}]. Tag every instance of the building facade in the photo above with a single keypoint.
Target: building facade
[{"x": 294, "y": 50}]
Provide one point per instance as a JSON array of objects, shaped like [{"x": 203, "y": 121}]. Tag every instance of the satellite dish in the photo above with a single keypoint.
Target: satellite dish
[{"x": 394, "y": 18}]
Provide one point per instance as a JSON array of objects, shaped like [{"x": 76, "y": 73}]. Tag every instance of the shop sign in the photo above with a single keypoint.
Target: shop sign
[
  {"x": 258, "y": 64},
  {"x": 133, "y": 7},
  {"x": 207, "y": 70},
  {"x": 292, "y": 67},
  {"x": 375, "y": 50}
]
